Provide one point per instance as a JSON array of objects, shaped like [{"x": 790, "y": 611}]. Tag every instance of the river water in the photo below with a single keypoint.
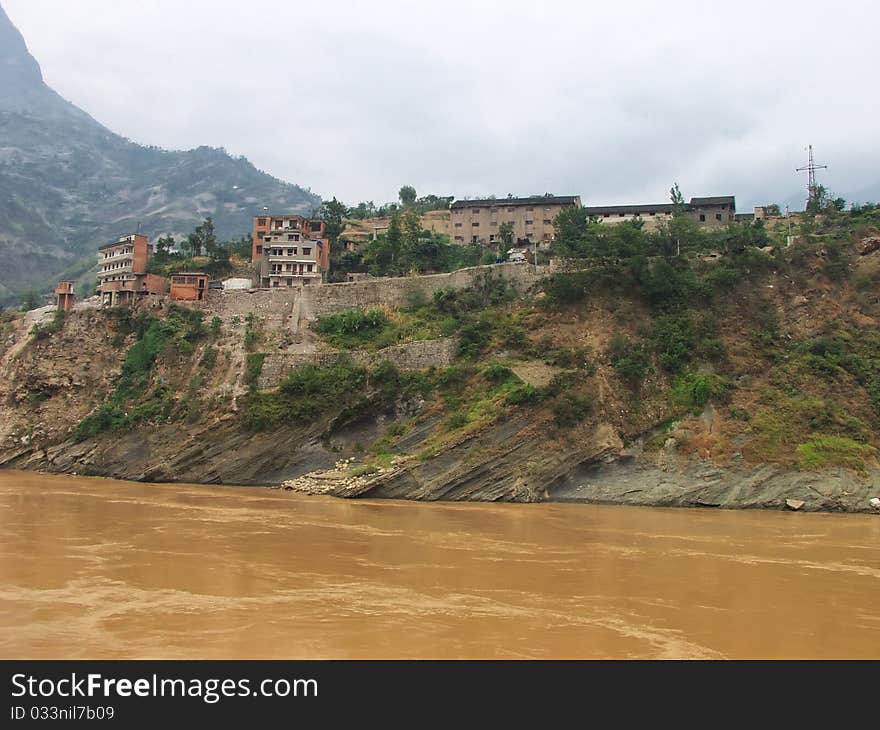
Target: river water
[{"x": 93, "y": 568}]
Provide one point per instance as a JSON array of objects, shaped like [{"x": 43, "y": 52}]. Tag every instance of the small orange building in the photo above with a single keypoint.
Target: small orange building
[
  {"x": 65, "y": 297},
  {"x": 189, "y": 286}
]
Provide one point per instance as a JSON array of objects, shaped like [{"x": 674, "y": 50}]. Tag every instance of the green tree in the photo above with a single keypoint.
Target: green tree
[
  {"x": 407, "y": 195},
  {"x": 677, "y": 199},
  {"x": 505, "y": 233},
  {"x": 333, "y": 212}
]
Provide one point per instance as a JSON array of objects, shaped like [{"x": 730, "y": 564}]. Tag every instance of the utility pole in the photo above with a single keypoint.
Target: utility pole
[{"x": 810, "y": 169}]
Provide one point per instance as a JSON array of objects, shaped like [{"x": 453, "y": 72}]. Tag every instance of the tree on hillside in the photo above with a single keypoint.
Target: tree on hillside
[
  {"x": 407, "y": 195},
  {"x": 333, "y": 212}
]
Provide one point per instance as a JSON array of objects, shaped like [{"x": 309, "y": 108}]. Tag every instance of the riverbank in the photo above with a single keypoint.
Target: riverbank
[{"x": 633, "y": 483}]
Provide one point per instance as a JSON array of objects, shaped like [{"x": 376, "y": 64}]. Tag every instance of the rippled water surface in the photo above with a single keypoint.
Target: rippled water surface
[{"x": 93, "y": 568}]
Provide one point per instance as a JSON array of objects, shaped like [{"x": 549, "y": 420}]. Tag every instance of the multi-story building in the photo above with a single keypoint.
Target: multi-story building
[
  {"x": 122, "y": 271},
  {"x": 479, "y": 221},
  {"x": 290, "y": 250},
  {"x": 708, "y": 212}
]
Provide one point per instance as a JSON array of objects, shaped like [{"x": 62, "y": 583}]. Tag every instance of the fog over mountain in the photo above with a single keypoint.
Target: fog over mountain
[{"x": 68, "y": 184}]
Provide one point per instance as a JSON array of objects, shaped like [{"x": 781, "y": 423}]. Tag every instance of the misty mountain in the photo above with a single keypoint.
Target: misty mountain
[{"x": 68, "y": 184}]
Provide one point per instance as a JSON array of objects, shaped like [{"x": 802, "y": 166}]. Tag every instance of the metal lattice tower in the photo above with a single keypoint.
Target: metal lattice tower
[{"x": 810, "y": 169}]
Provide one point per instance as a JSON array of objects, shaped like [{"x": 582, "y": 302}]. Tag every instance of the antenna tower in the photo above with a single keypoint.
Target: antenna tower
[{"x": 810, "y": 169}]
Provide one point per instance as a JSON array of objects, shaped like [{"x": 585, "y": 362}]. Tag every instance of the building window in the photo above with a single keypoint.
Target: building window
[
  {"x": 475, "y": 239},
  {"x": 309, "y": 267},
  {"x": 267, "y": 239},
  {"x": 702, "y": 217},
  {"x": 261, "y": 221},
  {"x": 718, "y": 216},
  {"x": 492, "y": 238},
  {"x": 476, "y": 211},
  {"x": 458, "y": 225},
  {"x": 493, "y": 223},
  {"x": 459, "y": 238},
  {"x": 475, "y": 224},
  {"x": 530, "y": 222},
  {"x": 307, "y": 252},
  {"x": 548, "y": 222},
  {"x": 511, "y": 210}
]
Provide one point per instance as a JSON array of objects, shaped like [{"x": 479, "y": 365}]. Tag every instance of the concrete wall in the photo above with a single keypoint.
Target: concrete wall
[
  {"x": 404, "y": 291},
  {"x": 411, "y": 356}
]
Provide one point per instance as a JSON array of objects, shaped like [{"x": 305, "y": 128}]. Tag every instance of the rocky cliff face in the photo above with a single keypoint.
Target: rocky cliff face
[
  {"x": 68, "y": 184},
  {"x": 513, "y": 423}
]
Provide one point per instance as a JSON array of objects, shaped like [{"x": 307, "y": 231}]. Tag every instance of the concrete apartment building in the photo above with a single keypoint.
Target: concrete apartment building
[
  {"x": 122, "y": 271},
  {"x": 478, "y": 221},
  {"x": 290, "y": 250},
  {"x": 710, "y": 212}
]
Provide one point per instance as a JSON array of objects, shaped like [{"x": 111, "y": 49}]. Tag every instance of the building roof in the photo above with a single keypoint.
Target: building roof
[
  {"x": 189, "y": 273},
  {"x": 629, "y": 209},
  {"x": 716, "y": 200},
  {"x": 122, "y": 240},
  {"x": 502, "y": 202}
]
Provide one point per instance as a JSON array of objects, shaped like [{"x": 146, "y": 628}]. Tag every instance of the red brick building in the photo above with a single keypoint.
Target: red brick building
[
  {"x": 122, "y": 271},
  {"x": 189, "y": 286}
]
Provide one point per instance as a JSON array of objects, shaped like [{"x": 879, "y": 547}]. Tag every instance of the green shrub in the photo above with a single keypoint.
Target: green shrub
[
  {"x": 571, "y": 409},
  {"x": 209, "y": 358},
  {"x": 497, "y": 373},
  {"x": 522, "y": 395},
  {"x": 630, "y": 360},
  {"x": 352, "y": 328},
  {"x": 306, "y": 393},
  {"x": 127, "y": 405},
  {"x": 694, "y": 391},
  {"x": 216, "y": 324},
  {"x": 824, "y": 451}
]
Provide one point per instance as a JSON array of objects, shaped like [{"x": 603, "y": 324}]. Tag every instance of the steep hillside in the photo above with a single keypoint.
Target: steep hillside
[
  {"x": 68, "y": 184},
  {"x": 744, "y": 379}
]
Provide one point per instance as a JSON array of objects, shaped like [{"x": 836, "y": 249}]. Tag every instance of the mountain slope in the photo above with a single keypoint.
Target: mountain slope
[{"x": 68, "y": 184}]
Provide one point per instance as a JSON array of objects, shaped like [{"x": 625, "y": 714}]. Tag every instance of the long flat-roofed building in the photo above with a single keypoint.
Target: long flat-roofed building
[
  {"x": 479, "y": 221},
  {"x": 290, "y": 250},
  {"x": 710, "y": 212},
  {"x": 122, "y": 271}
]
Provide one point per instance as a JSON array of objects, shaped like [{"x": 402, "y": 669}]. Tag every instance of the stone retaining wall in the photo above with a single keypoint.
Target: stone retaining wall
[{"x": 411, "y": 356}]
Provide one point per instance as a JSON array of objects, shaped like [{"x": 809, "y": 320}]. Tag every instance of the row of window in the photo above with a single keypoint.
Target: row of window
[
  {"x": 114, "y": 252},
  {"x": 307, "y": 251},
  {"x": 492, "y": 209},
  {"x": 116, "y": 265},
  {"x": 493, "y": 238},
  {"x": 290, "y": 237},
  {"x": 278, "y": 269},
  {"x": 494, "y": 224}
]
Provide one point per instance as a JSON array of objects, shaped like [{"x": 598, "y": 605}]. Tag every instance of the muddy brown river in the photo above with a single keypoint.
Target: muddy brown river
[{"x": 93, "y": 568}]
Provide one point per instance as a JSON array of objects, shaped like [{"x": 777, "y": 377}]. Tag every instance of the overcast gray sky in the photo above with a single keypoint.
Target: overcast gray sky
[{"x": 613, "y": 101}]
